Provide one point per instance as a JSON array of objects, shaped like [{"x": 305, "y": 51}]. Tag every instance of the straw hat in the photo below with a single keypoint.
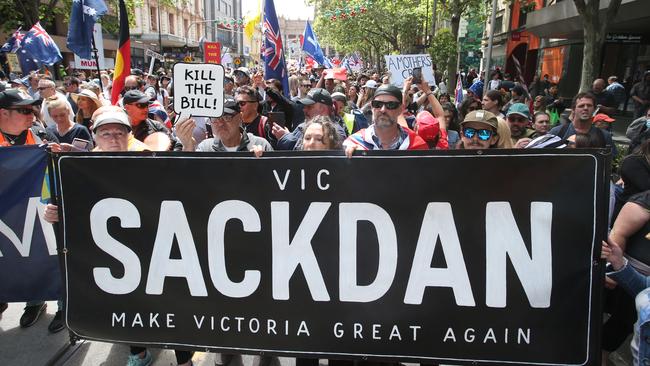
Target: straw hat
[{"x": 88, "y": 94}]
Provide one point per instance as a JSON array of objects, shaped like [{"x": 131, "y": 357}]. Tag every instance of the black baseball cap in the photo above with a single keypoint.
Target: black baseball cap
[
  {"x": 135, "y": 96},
  {"x": 389, "y": 89},
  {"x": 317, "y": 95},
  {"x": 14, "y": 98}
]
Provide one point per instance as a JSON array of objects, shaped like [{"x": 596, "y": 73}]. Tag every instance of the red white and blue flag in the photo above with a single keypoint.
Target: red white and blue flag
[
  {"x": 41, "y": 46},
  {"x": 274, "y": 65}
]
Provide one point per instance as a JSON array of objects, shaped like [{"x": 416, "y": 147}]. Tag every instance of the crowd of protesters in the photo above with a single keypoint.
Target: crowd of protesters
[{"x": 327, "y": 111}]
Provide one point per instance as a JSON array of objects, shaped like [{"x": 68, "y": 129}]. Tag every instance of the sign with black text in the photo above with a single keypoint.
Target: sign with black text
[{"x": 445, "y": 258}]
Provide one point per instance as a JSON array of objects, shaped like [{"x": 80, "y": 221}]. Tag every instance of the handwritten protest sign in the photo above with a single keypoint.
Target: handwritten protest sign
[
  {"x": 401, "y": 68},
  {"x": 198, "y": 90}
]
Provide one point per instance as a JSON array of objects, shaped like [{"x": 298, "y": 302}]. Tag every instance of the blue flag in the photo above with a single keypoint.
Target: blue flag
[
  {"x": 311, "y": 47},
  {"x": 41, "y": 46},
  {"x": 27, "y": 62},
  {"x": 274, "y": 65},
  {"x": 82, "y": 20},
  {"x": 13, "y": 43}
]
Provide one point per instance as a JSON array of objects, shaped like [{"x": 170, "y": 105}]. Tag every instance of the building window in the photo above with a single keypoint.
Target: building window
[
  {"x": 498, "y": 25},
  {"x": 172, "y": 27},
  {"x": 153, "y": 16}
]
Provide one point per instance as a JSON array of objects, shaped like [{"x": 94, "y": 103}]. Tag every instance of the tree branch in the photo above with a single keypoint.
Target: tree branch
[{"x": 581, "y": 6}]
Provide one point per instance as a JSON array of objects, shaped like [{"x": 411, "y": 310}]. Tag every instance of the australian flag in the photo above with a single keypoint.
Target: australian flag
[
  {"x": 41, "y": 46},
  {"x": 13, "y": 45},
  {"x": 274, "y": 65},
  {"x": 311, "y": 47},
  {"x": 82, "y": 20}
]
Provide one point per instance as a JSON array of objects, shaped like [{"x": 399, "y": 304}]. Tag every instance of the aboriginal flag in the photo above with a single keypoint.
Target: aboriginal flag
[{"x": 123, "y": 59}]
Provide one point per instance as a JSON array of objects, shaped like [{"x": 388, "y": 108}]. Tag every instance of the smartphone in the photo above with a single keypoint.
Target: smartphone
[
  {"x": 417, "y": 75},
  {"x": 277, "y": 117},
  {"x": 81, "y": 144}
]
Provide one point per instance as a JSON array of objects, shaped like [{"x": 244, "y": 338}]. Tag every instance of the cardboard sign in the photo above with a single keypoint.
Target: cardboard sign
[
  {"x": 401, "y": 67},
  {"x": 212, "y": 52},
  {"x": 198, "y": 90},
  {"x": 320, "y": 263}
]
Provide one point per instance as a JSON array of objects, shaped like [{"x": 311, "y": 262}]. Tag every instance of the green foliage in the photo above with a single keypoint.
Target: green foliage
[
  {"x": 25, "y": 13},
  {"x": 386, "y": 27},
  {"x": 443, "y": 48}
]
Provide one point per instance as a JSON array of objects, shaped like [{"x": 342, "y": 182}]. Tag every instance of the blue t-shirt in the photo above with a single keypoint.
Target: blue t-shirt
[{"x": 77, "y": 131}]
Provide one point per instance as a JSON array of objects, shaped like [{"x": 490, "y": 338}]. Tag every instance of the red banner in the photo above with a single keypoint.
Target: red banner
[{"x": 212, "y": 52}]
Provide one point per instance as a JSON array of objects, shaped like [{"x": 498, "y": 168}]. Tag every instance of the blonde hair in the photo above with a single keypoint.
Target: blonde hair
[
  {"x": 56, "y": 102},
  {"x": 503, "y": 131}
]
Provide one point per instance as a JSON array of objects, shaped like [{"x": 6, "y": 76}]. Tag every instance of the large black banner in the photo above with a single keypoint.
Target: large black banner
[{"x": 446, "y": 258}]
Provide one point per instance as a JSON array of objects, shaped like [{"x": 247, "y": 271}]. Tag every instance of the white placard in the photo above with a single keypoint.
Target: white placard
[
  {"x": 401, "y": 68},
  {"x": 198, "y": 90}
]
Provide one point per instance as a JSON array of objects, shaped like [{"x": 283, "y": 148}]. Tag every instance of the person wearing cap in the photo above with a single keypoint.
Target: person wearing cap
[
  {"x": 16, "y": 129},
  {"x": 65, "y": 130},
  {"x": 228, "y": 85},
  {"x": 354, "y": 120},
  {"x": 17, "y": 120},
  {"x": 88, "y": 103},
  {"x": 584, "y": 105},
  {"x": 640, "y": 94},
  {"x": 366, "y": 93},
  {"x": 518, "y": 117},
  {"x": 479, "y": 130},
  {"x": 385, "y": 133},
  {"x": 152, "y": 133},
  {"x": 318, "y": 102},
  {"x": 242, "y": 76},
  {"x": 601, "y": 120},
  {"x": 429, "y": 128},
  {"x": 229, "y": 135}
]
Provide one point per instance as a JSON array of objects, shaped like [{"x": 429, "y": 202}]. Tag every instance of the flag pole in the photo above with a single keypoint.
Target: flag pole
[{"x": 99, "y": 72}]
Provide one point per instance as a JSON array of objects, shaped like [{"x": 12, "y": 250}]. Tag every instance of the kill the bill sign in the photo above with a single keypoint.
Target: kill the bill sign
[{"x": 451, "y": 258}]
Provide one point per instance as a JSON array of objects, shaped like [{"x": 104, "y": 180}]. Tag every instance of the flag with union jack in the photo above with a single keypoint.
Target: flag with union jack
[
  {"x": 274, "y": 65},
  {"x": 41, "y": 46}
]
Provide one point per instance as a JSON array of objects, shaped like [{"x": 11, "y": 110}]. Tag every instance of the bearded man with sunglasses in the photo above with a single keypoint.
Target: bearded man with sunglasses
[
  {"x": 385, "y": 133},
  {"x": 479, "y": 130}
]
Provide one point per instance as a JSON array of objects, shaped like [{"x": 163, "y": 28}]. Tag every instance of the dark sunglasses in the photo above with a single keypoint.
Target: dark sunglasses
[
  {"x": 43, "y": 87},
  {"x": 306, "y": 85},
  {"x": 482, "y": 134},
  {"x": 517, "y": 119},
  {"x": 244, "y": 102},
  {"x": 389, "y": 105},
  {"x": 24, "y": 111},
  {"x": 141, "y": 105}
]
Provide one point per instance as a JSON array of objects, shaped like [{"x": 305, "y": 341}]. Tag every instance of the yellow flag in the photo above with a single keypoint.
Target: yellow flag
[{"x": 251, "y": 20}]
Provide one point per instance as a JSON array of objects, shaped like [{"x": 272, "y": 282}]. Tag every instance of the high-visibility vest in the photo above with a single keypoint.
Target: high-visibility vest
[{"x": 31, "y": 139}]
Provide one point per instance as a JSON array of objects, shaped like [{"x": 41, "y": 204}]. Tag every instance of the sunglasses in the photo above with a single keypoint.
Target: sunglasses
[
  {"x": 24, "y": 111},
  {"x": 244, "y": 102},
  {"x": 43, "y": 87},
  {"x": 141, "y": 105},
  {"x": 389, "y": 105},
  {"x": 482, "y": 134},
  {"x": 306, "y": 85}
]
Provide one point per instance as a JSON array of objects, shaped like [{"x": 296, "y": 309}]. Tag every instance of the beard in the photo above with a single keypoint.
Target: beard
[{"x": 384, "y": 121}]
